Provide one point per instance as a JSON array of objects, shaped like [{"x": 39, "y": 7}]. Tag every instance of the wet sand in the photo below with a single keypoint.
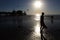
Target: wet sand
[{"x": 24, "y": 28}]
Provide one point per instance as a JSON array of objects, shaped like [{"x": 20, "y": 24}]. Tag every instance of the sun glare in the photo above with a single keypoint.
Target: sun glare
[
  {"x": 37, "y": 17},
  {"x": 37, "y": 29},
  {"x": 37, "y": 4}
]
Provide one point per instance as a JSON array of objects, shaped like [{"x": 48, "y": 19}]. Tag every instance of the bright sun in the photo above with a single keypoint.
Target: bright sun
[{"x": 37, "y": 4}]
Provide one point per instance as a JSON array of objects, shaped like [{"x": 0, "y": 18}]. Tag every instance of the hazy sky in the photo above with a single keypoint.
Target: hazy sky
[{"x": 49, "y": 6}]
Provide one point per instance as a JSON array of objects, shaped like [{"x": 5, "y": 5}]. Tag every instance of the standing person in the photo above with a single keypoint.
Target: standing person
[
  {"x": 42, "y": 26},
  {"x": 42, "y": 19}
]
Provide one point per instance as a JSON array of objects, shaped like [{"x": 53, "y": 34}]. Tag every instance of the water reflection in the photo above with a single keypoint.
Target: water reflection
[
  {"x": 35, "y": 35},
  {"x": 37, "y": 17},
  {"x": 37, "y": 29},
  {"x": 37, "y": 26}
]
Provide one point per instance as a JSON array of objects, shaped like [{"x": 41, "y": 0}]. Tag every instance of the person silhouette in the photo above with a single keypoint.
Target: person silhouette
[
  {"x": 42, "y": 21},
  {"x": 42, "y": 26}
]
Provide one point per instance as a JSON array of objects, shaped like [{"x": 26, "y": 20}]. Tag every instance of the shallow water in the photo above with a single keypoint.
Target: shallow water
[{"x": 27, "y": 28}]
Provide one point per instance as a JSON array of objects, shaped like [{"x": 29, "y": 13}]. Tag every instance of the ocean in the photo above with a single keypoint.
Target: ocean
[{"x": 27, "y": 28}]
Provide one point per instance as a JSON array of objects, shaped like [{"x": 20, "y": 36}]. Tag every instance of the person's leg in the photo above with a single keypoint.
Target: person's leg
[
  {"x": 44, "y": 26},
  {"x": 40, "y": 25},
  {"x": 44, "y": 38},
  {"x": 41, "y": 37}
]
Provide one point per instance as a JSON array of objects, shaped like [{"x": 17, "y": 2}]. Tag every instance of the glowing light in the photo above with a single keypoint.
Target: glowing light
[
  {"x": 37, "y": 4},
  {"x": 37, "y": 17},
  {"x": 37, "y": 29}
]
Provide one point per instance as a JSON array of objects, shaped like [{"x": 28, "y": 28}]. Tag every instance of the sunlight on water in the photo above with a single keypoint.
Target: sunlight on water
[
  {"x": 37, "y": 17},
  {"x": 35, "y": 35},
  {"x": 37, "y": 26},
  {"x": 37, "y": 29}
]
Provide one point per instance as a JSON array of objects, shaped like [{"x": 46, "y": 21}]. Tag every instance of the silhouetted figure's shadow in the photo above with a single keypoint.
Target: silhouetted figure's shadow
[{"x": 42, "y": 26}]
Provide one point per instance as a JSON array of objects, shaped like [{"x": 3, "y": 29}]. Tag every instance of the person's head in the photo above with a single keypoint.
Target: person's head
[{"x": 42, "y": 13}]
